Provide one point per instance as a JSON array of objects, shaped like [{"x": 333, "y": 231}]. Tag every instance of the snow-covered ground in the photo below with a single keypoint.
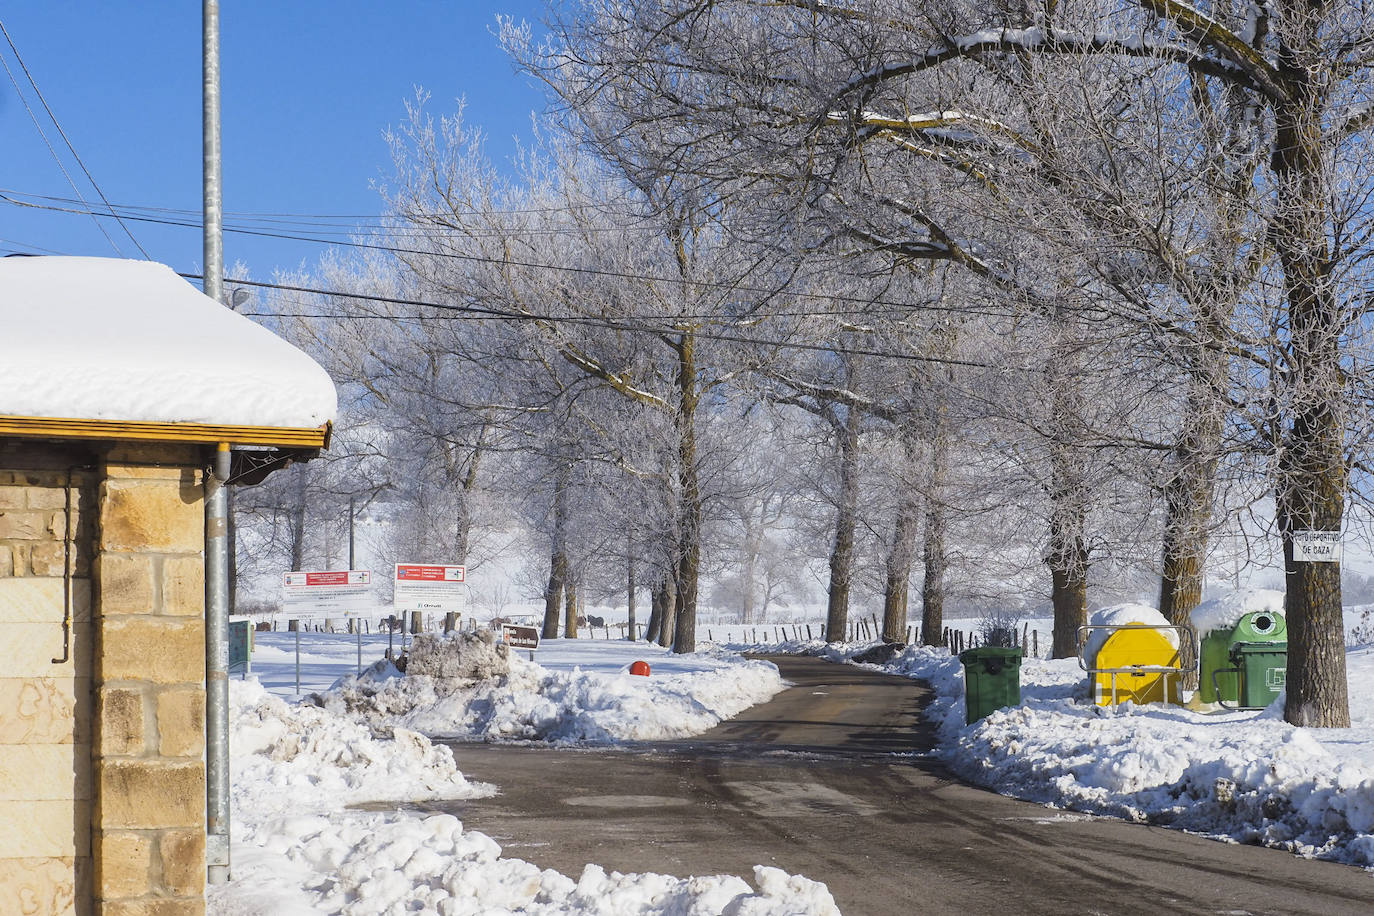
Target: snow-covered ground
[
  {"x": 316, "y": 830},
  {"x": 313, "y": 832},
  {"x": 1247, "y": 777}
]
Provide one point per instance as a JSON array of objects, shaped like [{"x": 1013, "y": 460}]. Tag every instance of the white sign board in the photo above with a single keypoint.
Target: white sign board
[
  {"x": 341, "y": 593},
  {"x": 1317, "y": 546},
  {"x": 431, "y": 588}
]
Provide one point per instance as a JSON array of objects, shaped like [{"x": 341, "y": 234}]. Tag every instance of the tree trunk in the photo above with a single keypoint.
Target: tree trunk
[
  {"x": 651, "y": 632},
  {"x": 1189, "y": 492},
  {"x": 933, "y": 584},
  {"x": 668, "y": 625},
  {"x": 1067, "y": 556},
  {"x": 467, "y": 487},
  {"x": 684, "y": 631},
  {"x": 558, "y": 557},
  {"x": 1188, "y": 515},
  {"x": 298, "y": 520},
  {"x": 842, "y": 554},
  {"x": 933, "y": 555},
  {"x": 571, "y": 608},
  {"x": 630, "y": 593},
  {"x": 899, "y": 560},
  {"x": 1311, "y": 462},
  {"x": 748, "y": 571},
  {"x": 553, "y": 593}
]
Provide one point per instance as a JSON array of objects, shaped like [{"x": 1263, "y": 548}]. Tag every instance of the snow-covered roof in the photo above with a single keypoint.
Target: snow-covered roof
[{"x": 131, "y": 342}]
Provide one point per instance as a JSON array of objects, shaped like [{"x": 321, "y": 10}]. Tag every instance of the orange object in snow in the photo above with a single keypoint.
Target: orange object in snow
[{"x": 640, "y": 668}]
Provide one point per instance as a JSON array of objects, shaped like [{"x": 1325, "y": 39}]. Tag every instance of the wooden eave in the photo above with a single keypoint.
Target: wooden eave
[{"x": 310, "y": 437}]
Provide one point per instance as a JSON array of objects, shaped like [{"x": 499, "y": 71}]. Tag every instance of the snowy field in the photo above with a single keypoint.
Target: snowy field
[{"x": 303, "y": 842}]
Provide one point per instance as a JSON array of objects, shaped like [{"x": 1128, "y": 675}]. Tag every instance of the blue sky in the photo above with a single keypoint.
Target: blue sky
[{"x": 308, "y": 88}]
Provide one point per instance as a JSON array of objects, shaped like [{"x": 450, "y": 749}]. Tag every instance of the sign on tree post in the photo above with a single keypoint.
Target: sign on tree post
[{"x": 1317, "y": 546}]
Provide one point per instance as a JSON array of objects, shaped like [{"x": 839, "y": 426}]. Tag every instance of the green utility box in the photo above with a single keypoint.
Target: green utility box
[
  {"x": 241, "y": 646},
  {"x": 1262, "y": 670},
  {"x": 992, "y": 680},
  {"x": 1218, "y": 678}
]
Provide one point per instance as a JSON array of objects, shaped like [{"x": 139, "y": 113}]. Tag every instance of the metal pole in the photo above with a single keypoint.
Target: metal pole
[
  {"x": 216, "y": 498},
  {"x": 217, "y": 669},
  {"x": 213, "y": 196},
  {"x": 298, "y": 660},
  {"x": 352, "y": 562}
]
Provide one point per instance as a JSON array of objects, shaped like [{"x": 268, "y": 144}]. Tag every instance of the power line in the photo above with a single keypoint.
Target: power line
[
  {"x": 53, "y": 153},
  {"x": 65, "y": 139},
  {"x": 498, "y": 313},
  {"x": 266, "y": 214},
  {"x": 594, "y": 320},
  {"x": 325, "y": 227},
  {"x": 868, "y": 303}
]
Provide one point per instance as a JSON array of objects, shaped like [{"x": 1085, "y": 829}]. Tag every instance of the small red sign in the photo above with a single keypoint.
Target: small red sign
[{"x": 431, "y": 573}]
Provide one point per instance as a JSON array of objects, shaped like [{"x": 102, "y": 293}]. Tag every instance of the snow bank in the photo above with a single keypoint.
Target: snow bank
[
  {"x": 111, "y": 339},
  {"x": 534, "y": 703},
  {"x": 1244, "y": 776},
  {"x": 324, "y": 760},
  {"x": 302, "y": 844},
  {"x": 1226, "y": 611},
  {"x": 1120, "y": 615}
]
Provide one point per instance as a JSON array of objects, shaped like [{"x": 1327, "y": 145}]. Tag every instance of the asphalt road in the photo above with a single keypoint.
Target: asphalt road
[{"x": 830, "y": 780}]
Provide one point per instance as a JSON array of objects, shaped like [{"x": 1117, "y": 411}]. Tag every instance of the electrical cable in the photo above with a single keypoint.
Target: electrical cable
[
  {"x": 89, "y": 177},
  {"x": 593, "y": 320},
  {"x": 52, "y": 152},
  {"x": 868, "y": 303}
]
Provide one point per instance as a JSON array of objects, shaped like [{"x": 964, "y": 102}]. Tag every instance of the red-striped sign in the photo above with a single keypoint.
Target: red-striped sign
[
  {"x": 411, "y": 572},
  {"x": 430, "y": 587},
  {"x": 342, "y": 591}
]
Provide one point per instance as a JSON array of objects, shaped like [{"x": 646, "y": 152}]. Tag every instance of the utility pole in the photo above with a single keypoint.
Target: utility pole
[{"x": 216, "y": 502}]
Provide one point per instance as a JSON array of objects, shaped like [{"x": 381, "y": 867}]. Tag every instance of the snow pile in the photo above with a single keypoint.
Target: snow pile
[
  {"x": 302, "y": 844},
  {"x": 1254, "y": 779},
  {"x": 472, "y": 655},
  {"x": 1120, "y": 615},
  {"x": 1225, "y": 612},
  {"x": 111, "y": 339},
  {"x": 317, "y": 757},
  {"x": 1245, "y": 776},
  {"x": 534, "y": 703}
]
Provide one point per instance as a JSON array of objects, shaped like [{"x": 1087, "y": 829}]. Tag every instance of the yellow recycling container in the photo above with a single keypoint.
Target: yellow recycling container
[{"x": 1138, "y": 663}]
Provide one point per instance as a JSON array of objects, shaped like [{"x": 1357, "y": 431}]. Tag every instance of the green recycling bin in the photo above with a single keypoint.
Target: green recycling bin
[
  {"x": 1218, "y": 683},
  {"x": 1262, "y": 669},
  {"x": 992, "y": 680}
]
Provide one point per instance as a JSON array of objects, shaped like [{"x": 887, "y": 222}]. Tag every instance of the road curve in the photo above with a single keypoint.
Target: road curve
[{"x": 831, "y": 779}]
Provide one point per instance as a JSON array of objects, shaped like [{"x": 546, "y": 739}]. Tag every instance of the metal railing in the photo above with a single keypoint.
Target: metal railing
[{"x": 1185, "y": 653}]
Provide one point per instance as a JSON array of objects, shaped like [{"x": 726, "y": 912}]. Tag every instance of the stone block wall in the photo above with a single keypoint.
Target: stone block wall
[
  {"x": 149, "y": 843},
  {"x": 46, "y": 651},
  {"x": 102, "y": 772}
]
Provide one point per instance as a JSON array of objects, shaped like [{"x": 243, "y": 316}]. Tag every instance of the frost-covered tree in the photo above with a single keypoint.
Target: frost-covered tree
[{"x": 1198, "y": 174}]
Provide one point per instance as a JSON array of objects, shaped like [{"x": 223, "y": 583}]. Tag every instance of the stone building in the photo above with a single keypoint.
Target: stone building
[{"x": 119, "y": 382}]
